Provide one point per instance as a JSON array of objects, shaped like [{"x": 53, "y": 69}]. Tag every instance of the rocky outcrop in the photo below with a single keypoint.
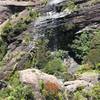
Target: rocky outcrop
[
  {"x": 85, "y": 81},
  {"x": 4, "y": 14},
  {"x": 19, "y": 3},
  {"x": 10, "y": 7},
  {"x": 72, "y": 86},
  {"x": 71, "y": 64},
  {"x": 33, "y": 77},
  {"x": 92, "y": 77}
]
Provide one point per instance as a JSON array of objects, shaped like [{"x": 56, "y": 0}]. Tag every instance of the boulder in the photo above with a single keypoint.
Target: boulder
[
  {"x": 72, "y": 86},
  {"x": 34, "y": 77},
  {"x": 85, "y": 81},
  {"x": 72, "y": 65},
  {"x": 92, "y": 77}
]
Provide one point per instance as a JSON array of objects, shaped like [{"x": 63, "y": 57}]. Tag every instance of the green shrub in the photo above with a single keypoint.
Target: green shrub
[
  {"x": 40, "y": 55},
  {"x": 54, "y": 66},
  {"x": 86, "y": 46},
  {"x": 94, "y": 57},
  {"x": 78, "y": 96},
  {"x": 16, "y": 90},
  {"x": 7, "y": 28},
  {"x": 94, "y": 54},
  {"x": 93, "y": 93},
  {"x": 60, "y": 54},
  {"x": 32, "y": 14},
  {"x": 70, "y": 5},
  {"x": 83, "y": 68},
  {"x": 10, "y": 30},
  {"x": 19, "y": 92},
  {"x": 81, "y": 45},
  {"x": 19, "y": 27},
  {"x": 44, "y": 2},
  {"x": 96, "y": 91},
  {"x": 3, "y": 49},
  {"x": 47, "y": 94}
]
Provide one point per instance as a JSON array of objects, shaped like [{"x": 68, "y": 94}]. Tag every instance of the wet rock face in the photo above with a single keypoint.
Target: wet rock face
[{"x": 58, "y": 23}]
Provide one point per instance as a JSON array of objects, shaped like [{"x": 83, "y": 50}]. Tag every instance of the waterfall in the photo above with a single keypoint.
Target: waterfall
[{"x": 51, "y": 19}]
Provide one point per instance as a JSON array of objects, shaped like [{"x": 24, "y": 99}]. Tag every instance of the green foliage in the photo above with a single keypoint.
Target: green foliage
[
  {"x": 7, "y": 28},
  {"x": 32, "y": 14},
  {"x": 94, "y": 54},
  {"x": 27, "y": 39},
  {"x": 3, "y": 49},
  {"x": 41, "y": 55},
  {"x": 94, "y": 57},
  {"x": 16, "y": 90},
  {"x": 60, "y": 54},
  {"x": 44, "y": 2},
  {"x": 12, "y": 30},
  {"x": 54, "y": 66},
  {"x": 17, "y": 93},
  {"x": 70, "y": 5},
  {"x": 19, "y": 27},
  {"x": 50, "y": 95},
  {"x": 96, "y": 91},
  {"x": 58, "y": 96},
  {"x": 78, "y": 96},
  {"x": 84, "y": 68},
  {"x": 93, "y": 93},
  {"x": 81, "y": 45},
  {"x": 81, "y": 94},
  {"x": 86, "y": 46}
]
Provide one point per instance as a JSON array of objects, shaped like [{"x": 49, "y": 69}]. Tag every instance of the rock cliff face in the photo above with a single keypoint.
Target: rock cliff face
[
  {"x": 23, "y": 23},
  {"x": 4, "y": 14},
  {"x": 54, "y": 21}
]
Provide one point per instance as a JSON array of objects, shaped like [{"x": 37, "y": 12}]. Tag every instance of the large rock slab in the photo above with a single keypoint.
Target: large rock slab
[{"x": 34, "y": 76}]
